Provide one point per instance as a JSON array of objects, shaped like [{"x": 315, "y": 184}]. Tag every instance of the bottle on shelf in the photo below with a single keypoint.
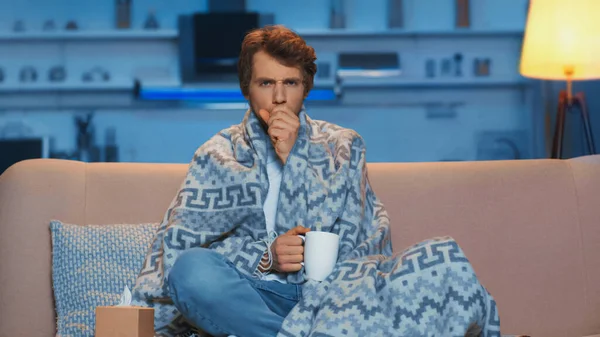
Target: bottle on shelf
[
  {"x": 123, "y": 13},
  {"x": 337, "y": 18},
  {"x": 463, "y": 15},
  {"x": 395, "y": 14}
]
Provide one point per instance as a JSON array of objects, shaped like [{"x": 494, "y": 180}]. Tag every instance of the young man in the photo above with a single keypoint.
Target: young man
[
  {"x": 227, "y": 259},
  {"x": 275, "y": 81}
]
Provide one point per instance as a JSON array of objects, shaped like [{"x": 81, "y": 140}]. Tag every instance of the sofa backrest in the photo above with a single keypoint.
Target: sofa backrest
[{"x": 530, "y": 228}]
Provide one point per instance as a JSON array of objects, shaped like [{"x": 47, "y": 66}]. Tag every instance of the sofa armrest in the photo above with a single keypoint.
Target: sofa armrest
[{"x": 33, "y": 192}]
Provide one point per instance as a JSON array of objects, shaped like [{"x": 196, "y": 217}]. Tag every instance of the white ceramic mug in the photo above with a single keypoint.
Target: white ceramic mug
[{"x": 320, "y": 254}]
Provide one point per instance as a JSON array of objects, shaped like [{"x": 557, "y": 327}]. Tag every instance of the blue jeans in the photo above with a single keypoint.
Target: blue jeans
[{"x": 213, "y": 295}]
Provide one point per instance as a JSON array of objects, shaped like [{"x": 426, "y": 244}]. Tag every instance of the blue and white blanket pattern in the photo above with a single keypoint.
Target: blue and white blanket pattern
[{"x": 429, "y": 289}]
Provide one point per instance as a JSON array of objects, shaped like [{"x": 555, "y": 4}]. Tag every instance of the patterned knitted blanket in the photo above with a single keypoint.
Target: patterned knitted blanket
[{"x": 429, "y": 289}]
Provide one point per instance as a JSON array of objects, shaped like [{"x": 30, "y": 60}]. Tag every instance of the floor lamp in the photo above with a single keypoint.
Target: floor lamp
[{"x": 562, "y": 42}]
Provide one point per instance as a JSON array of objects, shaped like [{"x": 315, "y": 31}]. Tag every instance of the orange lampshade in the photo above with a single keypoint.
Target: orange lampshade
[{"x": 562, "y": 37}]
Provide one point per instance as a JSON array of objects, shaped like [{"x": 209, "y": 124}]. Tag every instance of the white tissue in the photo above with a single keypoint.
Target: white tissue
[{"x": 125, "y": 298}]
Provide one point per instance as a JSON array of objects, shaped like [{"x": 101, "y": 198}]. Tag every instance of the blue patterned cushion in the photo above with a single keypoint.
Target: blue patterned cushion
[{"x": 91, "y": 265}]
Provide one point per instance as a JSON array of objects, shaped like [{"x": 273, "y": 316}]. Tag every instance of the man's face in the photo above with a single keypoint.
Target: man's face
[{"x": 274, "y": 85}]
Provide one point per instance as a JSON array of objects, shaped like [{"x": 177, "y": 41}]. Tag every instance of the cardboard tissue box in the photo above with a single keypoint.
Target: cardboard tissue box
[{"x": 124, "y": 320}]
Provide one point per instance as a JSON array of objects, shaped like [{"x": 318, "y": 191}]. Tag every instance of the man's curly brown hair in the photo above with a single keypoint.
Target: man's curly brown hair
[{"x": 284, "y": 45}]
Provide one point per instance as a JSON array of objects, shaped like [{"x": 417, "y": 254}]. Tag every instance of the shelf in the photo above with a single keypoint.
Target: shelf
[
  {"x": 64, "y": 87},
  {"x": 229, "y": 95},
  {"x": 164, "y": 34},
  {"x": 169, "y": 34},
  {"x": 352, "y": 33},
  {"x": 433, "y": 83}
]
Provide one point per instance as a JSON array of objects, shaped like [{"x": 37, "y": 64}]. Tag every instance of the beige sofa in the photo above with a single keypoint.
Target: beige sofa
[{"x": 531, "y": 229}]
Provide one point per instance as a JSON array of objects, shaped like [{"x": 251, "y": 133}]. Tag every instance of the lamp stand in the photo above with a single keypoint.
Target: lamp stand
[{"x": 567, "y": 103}]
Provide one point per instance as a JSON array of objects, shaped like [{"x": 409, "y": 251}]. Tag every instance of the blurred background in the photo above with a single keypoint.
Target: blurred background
[{"x": 151, "y": 80}]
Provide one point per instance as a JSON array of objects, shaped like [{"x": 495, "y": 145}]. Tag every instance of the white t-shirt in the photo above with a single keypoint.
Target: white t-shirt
[{"x": 274, "y": 172}]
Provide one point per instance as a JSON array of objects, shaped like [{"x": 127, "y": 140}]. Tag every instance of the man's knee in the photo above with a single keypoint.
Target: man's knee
[{"x": 193, "y": 272}]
